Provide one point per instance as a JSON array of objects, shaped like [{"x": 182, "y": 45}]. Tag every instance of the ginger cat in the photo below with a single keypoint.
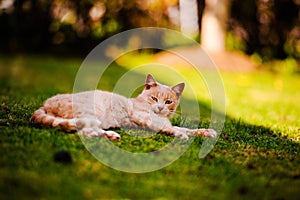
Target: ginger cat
[{"x": 92, "y": 113}]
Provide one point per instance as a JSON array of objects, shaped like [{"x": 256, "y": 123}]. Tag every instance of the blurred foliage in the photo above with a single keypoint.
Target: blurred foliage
[
  {"x": 71, "y": 26},
  {"x": 268, "y": 28}
]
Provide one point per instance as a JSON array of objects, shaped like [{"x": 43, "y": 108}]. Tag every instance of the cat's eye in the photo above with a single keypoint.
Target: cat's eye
[
  {"x": 154, "y": 98},
  {"x": 168, "y": 102}
]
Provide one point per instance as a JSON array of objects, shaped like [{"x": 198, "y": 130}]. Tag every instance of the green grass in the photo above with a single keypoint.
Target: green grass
[{"x": 258, "y": 158}]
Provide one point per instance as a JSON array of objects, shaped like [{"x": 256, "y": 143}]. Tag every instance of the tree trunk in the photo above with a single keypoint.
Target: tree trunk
[
  {"x": 214, "y": 20},
  {"x": 189, "y": 18}
]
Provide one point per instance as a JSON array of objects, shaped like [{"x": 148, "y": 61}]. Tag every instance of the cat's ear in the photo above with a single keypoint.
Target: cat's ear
[
  {"x": 178, "y": 89},
  {"x": 150, "y": 82}
]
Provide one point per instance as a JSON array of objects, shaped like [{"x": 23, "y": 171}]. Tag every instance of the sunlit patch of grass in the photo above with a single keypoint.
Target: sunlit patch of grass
[{"x": 263, "y": 102}]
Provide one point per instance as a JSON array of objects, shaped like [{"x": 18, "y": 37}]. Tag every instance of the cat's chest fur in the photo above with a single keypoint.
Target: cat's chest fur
[{"x": 111, "y": 109}]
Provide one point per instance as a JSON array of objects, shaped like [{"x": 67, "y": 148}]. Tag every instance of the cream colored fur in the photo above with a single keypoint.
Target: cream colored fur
[{"x": 93, "y": 113}]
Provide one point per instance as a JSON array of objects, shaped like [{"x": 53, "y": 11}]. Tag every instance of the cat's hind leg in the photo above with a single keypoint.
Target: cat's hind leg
[
  {"x": 96, "y": 132},
  {"x": 92, "y": 128},
  {"x": 85, "y": 126},
  {"x": 43, "y": 119}
]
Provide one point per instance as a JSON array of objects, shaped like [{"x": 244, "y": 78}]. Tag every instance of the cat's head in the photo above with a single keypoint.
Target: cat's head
[{"x": 163, "y": 99}]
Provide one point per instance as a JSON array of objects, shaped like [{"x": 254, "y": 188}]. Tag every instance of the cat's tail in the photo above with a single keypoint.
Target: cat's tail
[{"x": 41, "y": 118}]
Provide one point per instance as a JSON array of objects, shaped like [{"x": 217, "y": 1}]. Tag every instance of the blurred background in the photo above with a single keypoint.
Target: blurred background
[
  {"x": 264, "y": 29},
  {"x": 255, "y": 43}
]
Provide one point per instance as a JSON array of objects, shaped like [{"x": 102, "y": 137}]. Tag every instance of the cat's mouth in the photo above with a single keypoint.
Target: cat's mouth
[{"x": 163, "y": 113}]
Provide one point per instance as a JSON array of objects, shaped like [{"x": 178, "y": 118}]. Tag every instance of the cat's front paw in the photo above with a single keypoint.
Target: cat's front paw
[
  {"x": 89, "y": 132},
  {"x": 112, "y": 135},
  {"x": 206, "y": 133},
  {"x": 181, "y": 135}
]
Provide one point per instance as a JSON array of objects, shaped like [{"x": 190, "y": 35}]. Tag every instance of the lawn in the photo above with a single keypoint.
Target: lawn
[{"x": 256, "y": 156}]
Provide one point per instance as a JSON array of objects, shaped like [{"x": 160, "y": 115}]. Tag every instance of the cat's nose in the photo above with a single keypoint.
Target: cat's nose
[{"x": 160, "y": 108}]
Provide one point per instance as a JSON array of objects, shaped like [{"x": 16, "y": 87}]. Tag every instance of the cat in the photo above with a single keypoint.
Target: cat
[{"x": 93, "y": 113}]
